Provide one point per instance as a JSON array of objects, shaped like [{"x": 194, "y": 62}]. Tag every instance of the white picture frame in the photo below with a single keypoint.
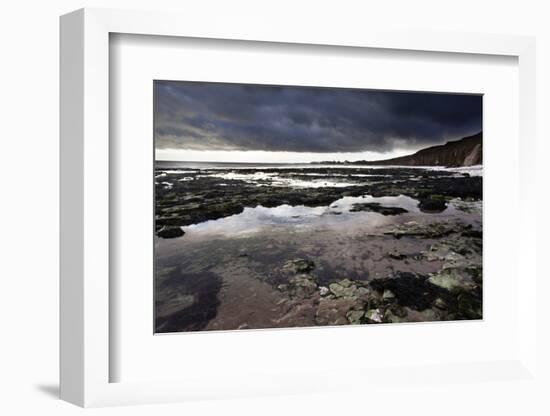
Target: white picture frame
[{"x": 85, "y": 211}]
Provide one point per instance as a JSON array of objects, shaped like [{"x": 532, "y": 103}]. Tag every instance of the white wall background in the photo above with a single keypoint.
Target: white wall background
[{"x": 29, "y": 56}]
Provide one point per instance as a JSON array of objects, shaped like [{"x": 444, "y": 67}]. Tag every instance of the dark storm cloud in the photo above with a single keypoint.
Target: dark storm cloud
[{"x": 215, "y": 116}]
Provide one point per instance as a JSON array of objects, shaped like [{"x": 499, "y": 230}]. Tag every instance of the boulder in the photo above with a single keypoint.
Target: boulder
[
  {"x": 343, "y": 289},
  {"x": 332, "y": 311},
  {"x": 430, "y": 205},
  {"x": 374, "y": 316},
  {"x": 453, "y": 279},
  {"x": 303, "y": 285},
  {"x": 388, "y": 296},
  {"x": 299, "y": 266},
  {"x": 323, "y": 290},
  {"x": 170, "y": 232},
  {"x": 354, "y": 317}
]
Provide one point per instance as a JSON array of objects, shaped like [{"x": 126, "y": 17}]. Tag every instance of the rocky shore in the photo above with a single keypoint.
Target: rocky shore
[
  {"x": 194, "y": 196},
  {"x": 414, "y": 266}
]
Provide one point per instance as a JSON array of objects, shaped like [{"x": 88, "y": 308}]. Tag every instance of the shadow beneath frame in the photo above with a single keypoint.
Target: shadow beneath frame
[{"x": 51, "y": 390}]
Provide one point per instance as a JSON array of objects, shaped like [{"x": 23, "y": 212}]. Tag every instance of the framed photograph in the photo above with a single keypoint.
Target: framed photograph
[
  {"x": 288, "y": 206},
  {"x": 231, "y": 201}
]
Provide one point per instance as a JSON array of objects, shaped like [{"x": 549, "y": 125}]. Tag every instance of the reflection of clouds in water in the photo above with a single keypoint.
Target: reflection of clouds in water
[
  {"x": 283, "y": 217},
  {"x": 338, "y": 214},
  {"x": 258, "y": 218},
  {"x": 401, "y": 201}
]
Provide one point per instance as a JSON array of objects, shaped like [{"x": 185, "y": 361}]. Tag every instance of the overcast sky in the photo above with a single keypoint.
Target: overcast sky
[{"x": 254, "y": 123}]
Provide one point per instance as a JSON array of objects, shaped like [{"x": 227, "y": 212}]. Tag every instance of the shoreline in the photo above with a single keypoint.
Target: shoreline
[{"x": 246, "y": 250}]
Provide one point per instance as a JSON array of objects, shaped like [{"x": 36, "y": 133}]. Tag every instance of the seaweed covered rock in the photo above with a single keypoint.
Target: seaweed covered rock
[
  {"x": 299, "y": 282},
  {"x": 299, "y": 266},
  {"x": 347, "y": 288},
  {"x": 456, "y": 278},
  {"x": 355, "y": 316},
  {"x": 429, "y": 230},
  {"x": 302, "y": 285}
]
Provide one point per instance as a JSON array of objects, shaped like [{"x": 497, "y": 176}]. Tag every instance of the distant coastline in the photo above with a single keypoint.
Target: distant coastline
[
  {"x": 463, "y": 152},
  {"x": 458, "y": 153}
]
